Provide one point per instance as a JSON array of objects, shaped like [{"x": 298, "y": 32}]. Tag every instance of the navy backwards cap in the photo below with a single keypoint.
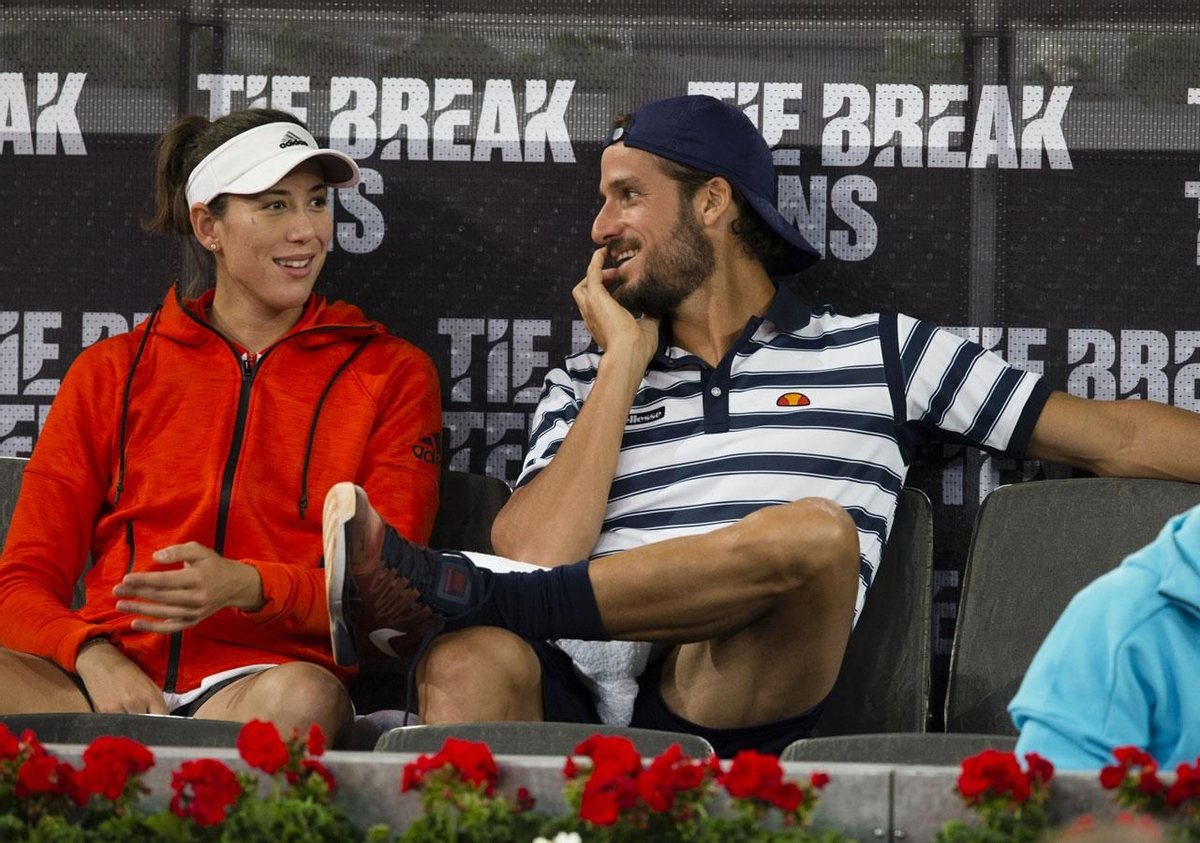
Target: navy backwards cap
[{"x": 711, "y": 135}]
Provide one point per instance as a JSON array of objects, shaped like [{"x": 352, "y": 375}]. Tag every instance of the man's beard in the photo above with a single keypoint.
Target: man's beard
[{"x": 673, "y": 270}]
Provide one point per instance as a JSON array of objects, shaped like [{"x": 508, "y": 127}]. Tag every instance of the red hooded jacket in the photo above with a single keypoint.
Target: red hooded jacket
[{"x": 165, "y": 435}]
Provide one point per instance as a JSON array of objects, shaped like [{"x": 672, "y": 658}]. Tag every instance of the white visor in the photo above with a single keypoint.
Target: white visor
[{"x": 254, "y": 160}]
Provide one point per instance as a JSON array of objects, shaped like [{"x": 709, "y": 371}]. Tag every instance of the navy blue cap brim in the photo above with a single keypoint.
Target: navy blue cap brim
[{"x": 797, "y": 254}]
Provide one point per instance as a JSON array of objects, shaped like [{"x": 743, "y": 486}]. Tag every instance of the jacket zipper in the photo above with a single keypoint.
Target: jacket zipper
[
  {"x": 129, "y": 541},
  {"x": 249, "y": 368}
]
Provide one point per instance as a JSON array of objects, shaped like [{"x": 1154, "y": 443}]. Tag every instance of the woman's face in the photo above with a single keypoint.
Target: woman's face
[{"x": 273, "y": 244}]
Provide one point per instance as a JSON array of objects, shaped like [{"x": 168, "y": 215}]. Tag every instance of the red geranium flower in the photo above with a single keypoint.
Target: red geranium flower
[
  {"x": 78, "y": 785},
  {"x": 1186, "y": 786},
  {"x": 787, "y": 796},
  {"x": 316, "y": 741},
  {"x": 261, "y": 747},
  {"x": 1131, "y": 756},
  {"x": 1040, "y": 770},
  {"x": 611, "y": 755},
  {"x": 688, "y": 776},
  {"x": 472, "y": 759},
  {"x": 570, "y": 771},
  {"x": 753, "y": 775},
  {"x": 995, "y": 772},
  {"x": 1112, "y": 776},
  {"x": 414, "y": 772},
  {"x": 110, "y": 761},
  {"x": 204, "y": 790},
  {"x": 818, "y": 780},
  {"x": 411, "y": 778},
  {"x": 656, "y": 789},
  {"x": 1149, "y": 783},
  {"x": 30, "y": 741},
  {"x": 605, "y": 796},
  {"x": 37, "y": 774},
  {"x": 669, "y": 774}
]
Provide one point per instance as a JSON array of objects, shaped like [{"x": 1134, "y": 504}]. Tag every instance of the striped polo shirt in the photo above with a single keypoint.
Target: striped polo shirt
[{"x": 805, "y": 404}]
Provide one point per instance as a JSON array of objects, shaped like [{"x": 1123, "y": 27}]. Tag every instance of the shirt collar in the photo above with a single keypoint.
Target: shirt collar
[{"x": 786, "y": 312}]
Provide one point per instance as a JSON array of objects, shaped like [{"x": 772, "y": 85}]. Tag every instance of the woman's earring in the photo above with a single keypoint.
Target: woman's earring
[{"x": 213, "y": 245}]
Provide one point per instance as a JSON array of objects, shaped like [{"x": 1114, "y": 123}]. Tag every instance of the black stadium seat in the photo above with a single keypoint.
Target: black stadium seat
[
  {"x": 884, "y": 682},
  {"x": 1035, "y": 546}
]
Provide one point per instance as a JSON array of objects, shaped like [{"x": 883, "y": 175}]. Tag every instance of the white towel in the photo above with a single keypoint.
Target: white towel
[{"x": 609, "y": 669}]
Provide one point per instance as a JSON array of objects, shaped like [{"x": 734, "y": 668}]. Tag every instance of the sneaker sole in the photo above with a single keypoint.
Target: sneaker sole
[{"x": 341, "y": 506}]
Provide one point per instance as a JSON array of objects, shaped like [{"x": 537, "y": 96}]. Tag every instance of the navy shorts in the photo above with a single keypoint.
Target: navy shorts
[{"x": 566, "y": 699}]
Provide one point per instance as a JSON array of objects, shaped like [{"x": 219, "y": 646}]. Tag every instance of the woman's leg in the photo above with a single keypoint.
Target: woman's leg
[
  {"x": 292, "y": 696},
  {"x": 33, "y": 685}
]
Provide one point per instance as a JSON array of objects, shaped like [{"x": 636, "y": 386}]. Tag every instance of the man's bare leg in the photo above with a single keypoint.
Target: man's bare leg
[
  {"x": 477, "y": 674},
  {"x": 32, "y": 685},
  {"x": 762, "y": 610},
  {"x": 292, "y": 696},
  {"x": 763, "y": 606}
]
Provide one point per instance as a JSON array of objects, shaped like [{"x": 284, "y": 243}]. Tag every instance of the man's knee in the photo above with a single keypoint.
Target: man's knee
[
  {"x": 481, "y": 659},
  {"x": 808, "y": 540}
]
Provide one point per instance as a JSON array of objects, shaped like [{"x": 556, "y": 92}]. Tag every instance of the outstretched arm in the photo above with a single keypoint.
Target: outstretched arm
[
  {"x": 555, "y": 519},
  {"x": 1118, "y": 438}
]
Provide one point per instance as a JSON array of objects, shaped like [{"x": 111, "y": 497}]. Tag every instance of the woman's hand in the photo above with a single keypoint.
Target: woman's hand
[
  {"x": 115, "y": 684},
  {"x": 205, "y": 584}
]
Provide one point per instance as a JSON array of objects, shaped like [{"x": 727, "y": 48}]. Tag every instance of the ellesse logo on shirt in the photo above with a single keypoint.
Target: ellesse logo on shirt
[
  {"x": 645, "y": 418},
  {"x": 792, "y": 399}
]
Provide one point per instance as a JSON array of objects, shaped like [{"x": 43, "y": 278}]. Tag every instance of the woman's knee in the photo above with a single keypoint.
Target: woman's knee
[{"x": 300, "y": 691}]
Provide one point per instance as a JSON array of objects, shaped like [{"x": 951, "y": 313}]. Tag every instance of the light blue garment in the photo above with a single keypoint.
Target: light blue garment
[{"x": 1122, "y": 665}]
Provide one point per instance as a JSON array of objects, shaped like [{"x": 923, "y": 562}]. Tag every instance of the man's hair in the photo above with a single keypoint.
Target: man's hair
[{"x": 757, "y": 239}]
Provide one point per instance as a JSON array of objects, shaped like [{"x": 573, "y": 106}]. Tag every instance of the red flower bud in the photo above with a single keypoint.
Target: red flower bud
[
  {"x": 10, "y": 747},
  {"x": 1131, "y": 756},
  {"x": 1149, "y": 782},
  {"x": 1112, "y": 776},
  {"x": 316, "y": 741}
]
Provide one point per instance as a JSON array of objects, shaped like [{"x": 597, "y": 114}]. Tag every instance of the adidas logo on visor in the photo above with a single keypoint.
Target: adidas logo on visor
[{"x": 291, "y": 139}]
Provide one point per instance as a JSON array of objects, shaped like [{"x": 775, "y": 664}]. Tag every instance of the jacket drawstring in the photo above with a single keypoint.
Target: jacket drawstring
[
  {"x": 312, "y": 430},
  {"x": 125, "y": 403}
]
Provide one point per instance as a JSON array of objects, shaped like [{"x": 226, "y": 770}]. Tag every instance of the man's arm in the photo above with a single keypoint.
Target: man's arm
[
  {"x": 1118, "y": 438},
  {"x": 555, "y": 519}
]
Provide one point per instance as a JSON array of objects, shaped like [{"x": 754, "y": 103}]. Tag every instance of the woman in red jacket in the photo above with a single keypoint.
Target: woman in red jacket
[{"x": 183, "y": 457}]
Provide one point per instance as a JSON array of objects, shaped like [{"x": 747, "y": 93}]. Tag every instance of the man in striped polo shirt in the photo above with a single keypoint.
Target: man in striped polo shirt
[{"x": 726, "y": 468}]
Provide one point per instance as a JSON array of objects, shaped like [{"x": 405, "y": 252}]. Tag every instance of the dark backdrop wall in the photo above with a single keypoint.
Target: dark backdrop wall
[{"x": 1026, "y": 172}]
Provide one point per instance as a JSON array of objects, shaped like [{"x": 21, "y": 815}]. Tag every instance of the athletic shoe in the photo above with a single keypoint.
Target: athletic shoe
[{"x": 386, "y": 595}]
